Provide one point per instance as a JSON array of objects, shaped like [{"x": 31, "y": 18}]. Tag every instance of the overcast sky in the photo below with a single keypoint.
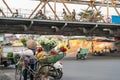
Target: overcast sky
[{"x": 31, "y": 4}]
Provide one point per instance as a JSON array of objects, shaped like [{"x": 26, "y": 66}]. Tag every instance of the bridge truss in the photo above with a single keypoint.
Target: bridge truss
[{"x": 61, "y": 27}]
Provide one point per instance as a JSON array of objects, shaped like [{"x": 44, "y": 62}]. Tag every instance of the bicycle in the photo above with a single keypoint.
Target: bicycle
[
  {"x": 41, "y": 71},
  {"x": 48, "y": 63}
]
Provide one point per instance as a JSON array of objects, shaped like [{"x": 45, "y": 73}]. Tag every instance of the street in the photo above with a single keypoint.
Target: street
[{"x": 90, "y": 69}]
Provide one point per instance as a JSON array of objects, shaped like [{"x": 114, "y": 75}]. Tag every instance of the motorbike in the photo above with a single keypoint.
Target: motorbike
[
  {"x": 81, "y": 56},
  {"x": 98, "y": 53}
]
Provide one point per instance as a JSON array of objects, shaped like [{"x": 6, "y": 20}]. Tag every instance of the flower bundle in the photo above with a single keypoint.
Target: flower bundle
[
  {"x": 51, "y": 50},
  {"x": 63, "y": 48},
  {"x": 40, "y": 55}
]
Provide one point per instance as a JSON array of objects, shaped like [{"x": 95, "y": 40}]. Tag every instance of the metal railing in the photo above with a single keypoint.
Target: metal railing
[{"x": 25, "y": 13}]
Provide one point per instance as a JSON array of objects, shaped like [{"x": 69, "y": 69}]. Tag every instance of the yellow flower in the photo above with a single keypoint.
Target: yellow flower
[{"x": 39, "y": 55}]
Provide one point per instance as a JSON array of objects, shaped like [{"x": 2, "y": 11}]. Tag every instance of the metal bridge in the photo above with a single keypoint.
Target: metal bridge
[{"x": 30, "y": 25}]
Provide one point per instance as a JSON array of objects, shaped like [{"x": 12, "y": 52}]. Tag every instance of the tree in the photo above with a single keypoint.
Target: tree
[
  {"x": 68, "y": 17},
  {"x": 91, "y": 15}
]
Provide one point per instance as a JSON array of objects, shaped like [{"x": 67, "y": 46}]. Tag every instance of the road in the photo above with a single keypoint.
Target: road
[
  {"x": 90, "y": 69},
  {"x": 9, "y": 71}
]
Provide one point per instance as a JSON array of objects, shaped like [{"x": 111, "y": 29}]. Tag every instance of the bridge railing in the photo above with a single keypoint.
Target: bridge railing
[{"x": 25, "y": 13}]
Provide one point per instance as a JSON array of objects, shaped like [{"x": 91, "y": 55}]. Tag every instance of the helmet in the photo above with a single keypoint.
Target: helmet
[{"x": 31, "y": 44}]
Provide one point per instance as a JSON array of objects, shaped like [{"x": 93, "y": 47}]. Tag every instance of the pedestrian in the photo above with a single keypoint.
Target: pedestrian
[
  {"x": 16, "y": 13},
  {"x": 64, "y": 14},
  {"x": 40, "y": 15},
  {"x": 30, "y": 51},
  {"x": 73, "y": 14}
]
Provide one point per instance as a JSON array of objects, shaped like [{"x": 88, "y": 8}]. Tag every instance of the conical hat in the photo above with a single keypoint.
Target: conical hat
[{"x": 31, "y": 44}]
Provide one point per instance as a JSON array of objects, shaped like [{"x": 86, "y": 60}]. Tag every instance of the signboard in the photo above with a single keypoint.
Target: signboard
[{"x": 116, "y": 19}]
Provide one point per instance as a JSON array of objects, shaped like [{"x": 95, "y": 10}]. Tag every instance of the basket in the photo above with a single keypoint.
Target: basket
[{"x": 52, "y": 59}]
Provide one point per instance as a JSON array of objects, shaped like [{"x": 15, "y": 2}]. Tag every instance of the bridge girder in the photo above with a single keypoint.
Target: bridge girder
[{"x": 49, "y": 27}]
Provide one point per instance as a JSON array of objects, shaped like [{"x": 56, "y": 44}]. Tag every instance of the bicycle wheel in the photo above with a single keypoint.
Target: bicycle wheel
[
  {"x": 48, "y": 72},
  {"x": 18, "y": 73}
]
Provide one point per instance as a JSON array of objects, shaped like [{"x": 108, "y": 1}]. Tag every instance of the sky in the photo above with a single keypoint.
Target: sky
[{"x": 31, "y": 4}]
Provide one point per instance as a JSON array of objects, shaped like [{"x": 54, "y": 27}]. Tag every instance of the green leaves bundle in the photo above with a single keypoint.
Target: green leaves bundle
[{"x": 48, "y": 43}]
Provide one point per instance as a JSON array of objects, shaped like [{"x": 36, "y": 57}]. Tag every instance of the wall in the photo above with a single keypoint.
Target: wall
[{"x": 98, "y": 46}]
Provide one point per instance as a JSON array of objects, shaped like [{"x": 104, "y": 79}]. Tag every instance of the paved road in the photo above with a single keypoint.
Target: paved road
[{"x": 90, "y": 69}]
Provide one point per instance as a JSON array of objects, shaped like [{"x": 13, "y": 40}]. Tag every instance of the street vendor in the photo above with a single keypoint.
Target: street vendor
[{"x": 30, "y": 51}]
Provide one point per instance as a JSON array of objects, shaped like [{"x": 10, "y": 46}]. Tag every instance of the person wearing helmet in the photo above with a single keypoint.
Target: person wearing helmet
[{"x": 30, "y": 51}]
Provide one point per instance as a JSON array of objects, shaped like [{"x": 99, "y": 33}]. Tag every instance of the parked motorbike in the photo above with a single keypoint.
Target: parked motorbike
[{"x": 98, "y": 53}]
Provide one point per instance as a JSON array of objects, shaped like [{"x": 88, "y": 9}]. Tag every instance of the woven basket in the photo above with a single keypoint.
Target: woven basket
[{"x": 31, "y": 44}]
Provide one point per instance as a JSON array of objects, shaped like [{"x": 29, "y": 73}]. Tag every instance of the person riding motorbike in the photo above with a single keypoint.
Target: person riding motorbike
[{"x": 81, "y": 54}]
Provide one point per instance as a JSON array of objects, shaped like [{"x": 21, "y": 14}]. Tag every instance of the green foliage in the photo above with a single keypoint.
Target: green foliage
[
  {"x": 23, "y": 40},
  {"x": 91, "y": 15},
  {"x": 10, "y": 54},
  {"x": 68, "y": 17},
  {"x": 48, "y": 43}
]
